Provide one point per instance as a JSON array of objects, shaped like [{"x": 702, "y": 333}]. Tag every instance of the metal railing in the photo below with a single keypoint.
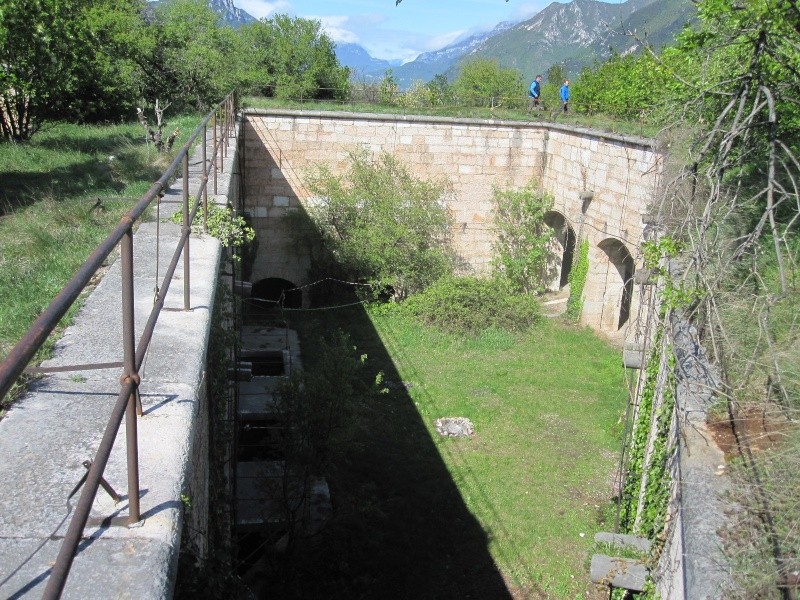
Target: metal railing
[{"x": 222, "y": 120}]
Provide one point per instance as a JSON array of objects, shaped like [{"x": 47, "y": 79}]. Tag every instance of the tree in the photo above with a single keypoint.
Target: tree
[
  {"x": 53, "y": 64},
  {"x": 184, "y": 55},
  {"x": 379, "y": 224},
  {"x": 293, "y": 58},
  {"x": 483, "y": 82},
  {"x": 441, "y": 91}
]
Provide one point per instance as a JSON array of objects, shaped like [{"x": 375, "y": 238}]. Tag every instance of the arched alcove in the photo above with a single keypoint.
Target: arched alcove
[
  {"x": 561, "y": 248},
  {"x": 274, "y": 292},
  {"x": 618, "y": 285}
]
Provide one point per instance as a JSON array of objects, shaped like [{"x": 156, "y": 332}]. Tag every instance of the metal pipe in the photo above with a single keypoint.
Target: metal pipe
[
  {"x": 66, "y": 554},
  {"x": 187, "y": 227},
  {"x": 22, "y": 353},
  {"x": 204, "y": 182},
  {"x": 130, "y": 375},
  {"x": 214, "y": 129}
]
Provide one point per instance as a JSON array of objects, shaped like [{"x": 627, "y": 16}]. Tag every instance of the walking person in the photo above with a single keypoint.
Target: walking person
[
  {"x": 534, "y": 93},
  {"x": 565, "y": 94}
]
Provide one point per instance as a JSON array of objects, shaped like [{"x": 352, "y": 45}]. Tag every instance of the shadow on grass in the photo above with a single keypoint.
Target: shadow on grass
[
  {"x": 85, "y": 178},
  {"x": 400, "y": 527}
]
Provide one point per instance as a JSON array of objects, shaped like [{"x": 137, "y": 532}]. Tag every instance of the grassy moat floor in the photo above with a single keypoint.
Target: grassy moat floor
[{"x": 509, "y": 512}]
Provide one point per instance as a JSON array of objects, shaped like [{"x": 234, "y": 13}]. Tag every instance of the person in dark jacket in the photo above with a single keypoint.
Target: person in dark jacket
[
  {"x": 535, "y": 93},
  {"x": 565, "y": 94}
]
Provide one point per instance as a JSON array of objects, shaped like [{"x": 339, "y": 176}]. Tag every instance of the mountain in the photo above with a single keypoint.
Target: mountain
[
  {"x": 582, "y": 31},
  {"x": 229, "y": 14},
  {"x": 429, "y": 64},
  {"x": 362, "y": 64}
]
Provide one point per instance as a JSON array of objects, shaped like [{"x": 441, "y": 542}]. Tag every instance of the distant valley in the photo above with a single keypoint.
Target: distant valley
[{"x": 574, "y": 34}]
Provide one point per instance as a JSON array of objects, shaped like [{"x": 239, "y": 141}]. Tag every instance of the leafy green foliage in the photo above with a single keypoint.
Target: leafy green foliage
[
  {"x": 577, "y": 280},
  {"x": 522, "y": 235},
  {"x": 52, "y": 64},
  {"x": 441, "y": 91},
  {"x": 231, "y": 230},
  {"x": 388, "y": 89},
  {"x": 473, "y": 304},
  {"x": 379, "y": 224},
  {"x": 317, "y": 403},
  {"x": 483, "y": 82},
  {"x": 291, "y": 57}
]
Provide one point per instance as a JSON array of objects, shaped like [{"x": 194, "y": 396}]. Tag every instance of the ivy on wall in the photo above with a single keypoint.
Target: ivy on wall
[
  {"x": 638, "y": 445},
  {"x": 577, "y": 281}
]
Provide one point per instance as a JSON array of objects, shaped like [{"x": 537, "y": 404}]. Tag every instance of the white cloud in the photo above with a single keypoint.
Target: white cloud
[
  {"x": 338, "y": 29},
  {"x": 525, "y": 11},
  {"x": 445, "y": 39},
  {"x": 261, "y": 8}
]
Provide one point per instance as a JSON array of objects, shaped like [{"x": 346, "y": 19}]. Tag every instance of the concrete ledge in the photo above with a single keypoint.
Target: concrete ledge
[
  {"x": 58, "y": 424},
  {"x": 634, "y": 140}
]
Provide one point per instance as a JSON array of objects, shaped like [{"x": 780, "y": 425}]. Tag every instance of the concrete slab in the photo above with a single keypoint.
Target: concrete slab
[{"x": 257, "y": 398}]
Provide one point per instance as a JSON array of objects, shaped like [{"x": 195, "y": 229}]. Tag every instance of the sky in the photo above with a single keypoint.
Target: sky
[{"x": 399, "y": 32}]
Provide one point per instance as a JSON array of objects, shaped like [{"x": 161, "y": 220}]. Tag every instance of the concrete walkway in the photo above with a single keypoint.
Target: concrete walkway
[{"x": 58, "y": 425}]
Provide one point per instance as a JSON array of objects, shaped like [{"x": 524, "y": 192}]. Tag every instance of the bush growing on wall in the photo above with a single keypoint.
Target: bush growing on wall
[
  {"x": 379, "y": 224},
  {"x": 520, "y": 252}
]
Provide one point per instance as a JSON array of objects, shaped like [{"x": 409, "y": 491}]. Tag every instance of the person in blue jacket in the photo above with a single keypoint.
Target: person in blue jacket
[
  {"x": 535, "y": 93},
  {"x": 565, "y": 94}
]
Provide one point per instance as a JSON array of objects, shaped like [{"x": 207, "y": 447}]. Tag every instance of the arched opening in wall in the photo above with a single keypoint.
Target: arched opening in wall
[
  {"x": 561, "y": 249},
  {"x": 270, "y": 294},
  {"x": 619, "y": 291}
]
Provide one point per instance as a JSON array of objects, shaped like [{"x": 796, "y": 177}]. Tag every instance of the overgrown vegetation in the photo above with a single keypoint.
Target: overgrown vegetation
[
  {"x": 230, "y": 229},
  {"x": 378, "y": 224},
  {"x": 513, "y": 507},
  {"x": 730, "y": 89},
  {"x": 520, "y": 249},
  {"x": 471, "y": 304},
  {"x": 577, "y": 280},
  {"x": 97, "y": 61}
]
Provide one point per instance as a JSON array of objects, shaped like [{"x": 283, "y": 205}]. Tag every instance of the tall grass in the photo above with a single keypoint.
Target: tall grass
[{"x": 60, "y": 195}]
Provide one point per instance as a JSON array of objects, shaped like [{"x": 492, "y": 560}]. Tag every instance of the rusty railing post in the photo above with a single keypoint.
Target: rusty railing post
[
  {"x": 224, "y": 132},
  {"x": 187, "y": 228},
  {"x": 214, "y": 129},
  {"x": 129, "y": 357},
  {"x": 204, "y": 181}
]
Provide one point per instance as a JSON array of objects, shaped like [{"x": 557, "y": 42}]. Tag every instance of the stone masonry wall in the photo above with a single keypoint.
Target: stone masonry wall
[{"x": 472, "y": 156}]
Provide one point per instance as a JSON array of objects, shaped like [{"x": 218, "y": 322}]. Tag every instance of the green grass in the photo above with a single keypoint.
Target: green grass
[
  {"x": 48, "y": 220},
  {"x": 575, "y": 118},
  {"x": 515, "y": 506}
]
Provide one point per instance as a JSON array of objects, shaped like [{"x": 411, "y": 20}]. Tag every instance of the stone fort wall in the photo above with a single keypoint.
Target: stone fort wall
[{"x": 602, "y": 184}]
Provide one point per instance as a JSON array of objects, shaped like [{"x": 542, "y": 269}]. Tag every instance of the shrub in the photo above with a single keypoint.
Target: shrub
[
  {"x": 379, "y": 224},
  {"x": 520, "y": 252},
  {"x": 473, "y": 304}
]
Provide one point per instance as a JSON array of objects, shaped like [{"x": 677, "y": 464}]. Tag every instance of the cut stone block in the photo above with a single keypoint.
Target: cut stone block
[
  {"x": 623, "y": 540},
  {"x": 625, "y": 573}
]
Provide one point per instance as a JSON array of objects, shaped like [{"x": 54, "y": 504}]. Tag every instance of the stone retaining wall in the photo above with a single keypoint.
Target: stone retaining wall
[{"x": 622, "y": 174}]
